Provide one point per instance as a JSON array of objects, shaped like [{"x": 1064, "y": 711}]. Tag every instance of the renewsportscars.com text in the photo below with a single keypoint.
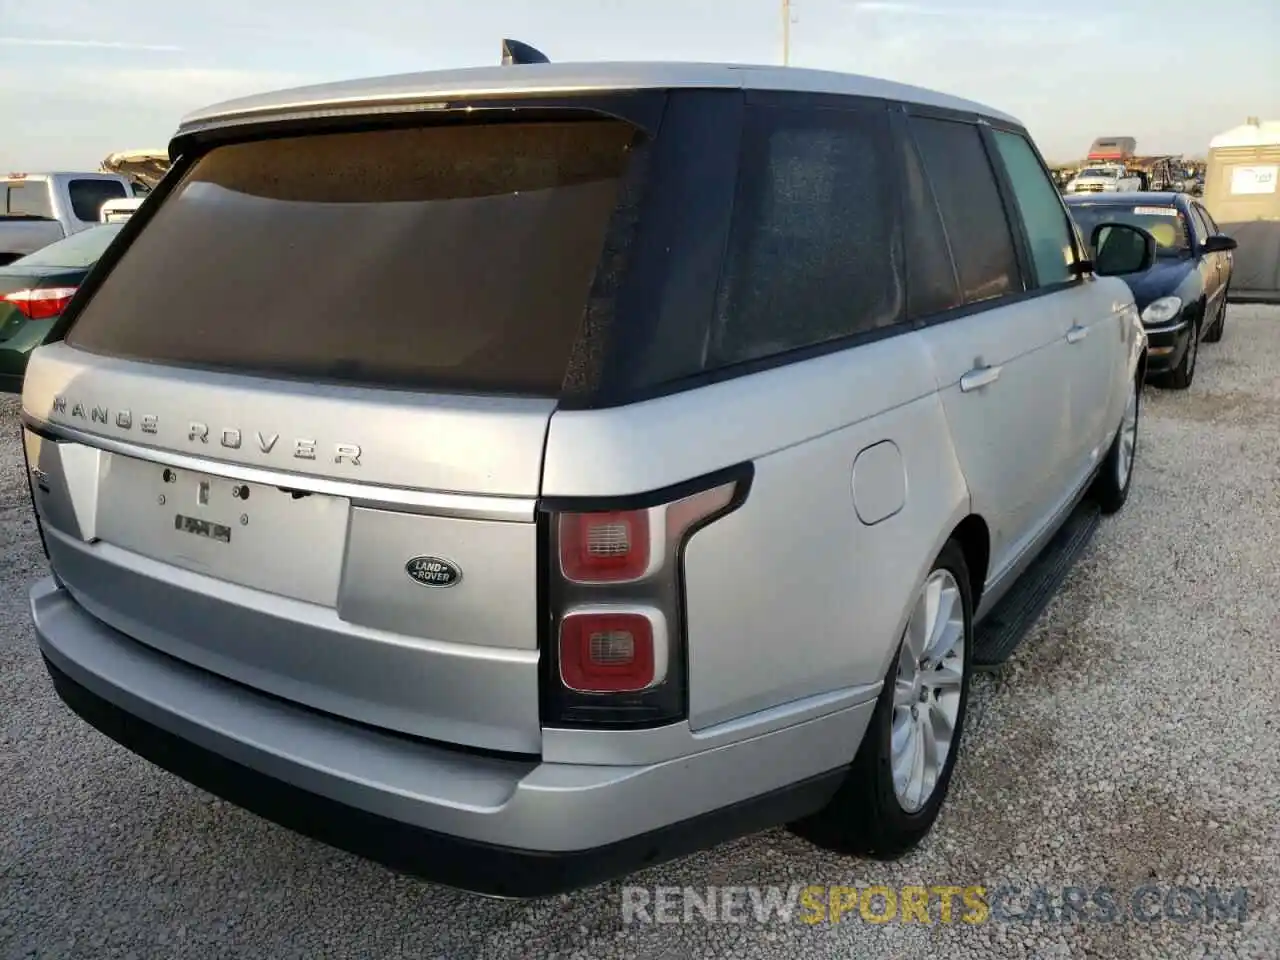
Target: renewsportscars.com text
[{"x": 970, "y": 904}]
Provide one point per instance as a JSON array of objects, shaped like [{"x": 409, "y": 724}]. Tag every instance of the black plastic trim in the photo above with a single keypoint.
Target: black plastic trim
[
  {"x": 741, "y": 473},
  {"x": 468, "y": 865},
  {"x": 747, "y": 368},
  {"x": 39, "y": 427}
]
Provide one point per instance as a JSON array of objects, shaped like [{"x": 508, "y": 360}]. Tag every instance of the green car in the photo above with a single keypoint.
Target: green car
[{"x": 34, "y": 291}]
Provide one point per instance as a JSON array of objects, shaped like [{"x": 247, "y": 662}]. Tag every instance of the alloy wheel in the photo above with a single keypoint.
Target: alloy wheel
[
  {"x": 927, "y": 690},
  {"x": 1128, "y": 438}
]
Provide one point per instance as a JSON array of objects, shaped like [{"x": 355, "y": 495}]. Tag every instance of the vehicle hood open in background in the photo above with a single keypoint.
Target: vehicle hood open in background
[{"x": 145, "y": 166}]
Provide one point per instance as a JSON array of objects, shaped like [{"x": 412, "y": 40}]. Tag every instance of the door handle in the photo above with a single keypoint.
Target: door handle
[
  {"x": 1077, "y": 333},
  {"x": 979, "y": 377}
]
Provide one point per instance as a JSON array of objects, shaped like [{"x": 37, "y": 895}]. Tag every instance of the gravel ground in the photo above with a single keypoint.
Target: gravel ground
[{"x": 1133, "y": 740}]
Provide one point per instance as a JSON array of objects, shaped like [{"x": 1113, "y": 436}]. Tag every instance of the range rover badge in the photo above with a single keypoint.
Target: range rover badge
[{"x": 433, "y": 571}]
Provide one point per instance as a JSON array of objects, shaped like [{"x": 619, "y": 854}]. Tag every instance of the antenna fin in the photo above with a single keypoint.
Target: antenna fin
[{"x": 516, "y": 52}]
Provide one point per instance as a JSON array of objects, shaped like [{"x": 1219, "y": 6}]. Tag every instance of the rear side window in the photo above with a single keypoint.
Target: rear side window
[
  {"x": 1201, "y": 228},
  {"x": 813, "y": 253},
  {"x": 28, "y": 200},
  {"x": 451, "y": 257},
  {"x": 88, "y": 196},
  {"x": 971, "y": 208},
  {"x": 1043, "y": 218}
]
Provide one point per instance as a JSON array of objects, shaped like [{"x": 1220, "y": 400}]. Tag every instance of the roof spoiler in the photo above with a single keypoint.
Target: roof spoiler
[{"x": 514, "y": 52}]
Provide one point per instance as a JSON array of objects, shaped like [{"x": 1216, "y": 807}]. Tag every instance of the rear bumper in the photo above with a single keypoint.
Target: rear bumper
[
  {"x": 500, "y": 825},
  {"x": 1166, "y": 346}
]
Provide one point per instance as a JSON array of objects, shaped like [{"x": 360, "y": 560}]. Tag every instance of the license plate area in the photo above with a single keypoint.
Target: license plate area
[
  {"x": 282, "y": 541},
  {"x": 202, "y": 528}
]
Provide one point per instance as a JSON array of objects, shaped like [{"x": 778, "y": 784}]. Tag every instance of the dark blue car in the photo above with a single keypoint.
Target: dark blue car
[{"x": 1183, "y": 296}]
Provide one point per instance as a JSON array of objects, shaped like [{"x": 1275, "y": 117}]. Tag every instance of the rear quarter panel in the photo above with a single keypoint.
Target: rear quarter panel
[{"x": 792, "y": 595}]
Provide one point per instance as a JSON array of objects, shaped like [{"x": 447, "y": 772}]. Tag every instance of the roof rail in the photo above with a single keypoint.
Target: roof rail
[{"x": 514, "y": 52}]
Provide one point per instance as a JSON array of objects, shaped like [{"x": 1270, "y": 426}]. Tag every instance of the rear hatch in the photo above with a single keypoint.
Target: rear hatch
[{"x": 294, "y": 432}]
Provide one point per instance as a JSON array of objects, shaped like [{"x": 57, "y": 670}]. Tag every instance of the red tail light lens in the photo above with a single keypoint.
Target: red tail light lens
[
  {"x": 604, "y": 547},
  {"x": 608, "y": 652},
  {"x": 41, "y": 304}
]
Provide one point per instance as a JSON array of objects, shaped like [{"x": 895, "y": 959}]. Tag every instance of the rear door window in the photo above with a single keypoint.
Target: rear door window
[
  {"x": 451, "y": 257},
  {"x": 813, "y": 253},
  {"x": 969, "y": 202},
  {"x": 88, "y": 196},
  {"x": 29, "y": 199}
]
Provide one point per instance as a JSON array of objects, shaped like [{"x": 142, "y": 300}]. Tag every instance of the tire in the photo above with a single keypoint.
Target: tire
[
  {"x": 1220, "y": 324},
  {"x": 868, "y": 814},
  {"x": 1180, "y": 377},
  {"x": 1115, "y": 476}
]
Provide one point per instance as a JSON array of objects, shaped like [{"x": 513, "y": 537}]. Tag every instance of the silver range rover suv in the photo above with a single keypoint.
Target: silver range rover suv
[{"x": 523, "y": 474}]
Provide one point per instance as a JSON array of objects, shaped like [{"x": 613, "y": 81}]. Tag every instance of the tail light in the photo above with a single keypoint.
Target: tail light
[
  {"x": 41, "y": 303},
  {"x": 616, "y": 650},
  {"x": 603, "y": 651}
]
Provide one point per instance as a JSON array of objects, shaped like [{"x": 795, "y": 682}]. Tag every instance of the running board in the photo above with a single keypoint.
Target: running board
[{"x": 998, "y": 635}]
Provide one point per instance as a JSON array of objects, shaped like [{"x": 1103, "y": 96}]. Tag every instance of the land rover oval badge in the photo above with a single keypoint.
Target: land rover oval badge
[{"x": 433, "y": 571}]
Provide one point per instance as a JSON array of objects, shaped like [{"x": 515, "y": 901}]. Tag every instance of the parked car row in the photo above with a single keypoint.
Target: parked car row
[
  {"x": 1183, "y": 295},
  {"x": 36, "y": 289},
  {"x": 38, "y": 208},
  {"x": 598, "y": 462}
]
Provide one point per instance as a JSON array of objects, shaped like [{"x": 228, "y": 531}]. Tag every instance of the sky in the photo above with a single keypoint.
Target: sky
[{"x": 80, "y": 79}]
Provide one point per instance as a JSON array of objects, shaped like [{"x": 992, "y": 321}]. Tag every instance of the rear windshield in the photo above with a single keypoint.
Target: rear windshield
[
  {"x": 452, "y": 257},
  {"x": 88, "y": 196}
]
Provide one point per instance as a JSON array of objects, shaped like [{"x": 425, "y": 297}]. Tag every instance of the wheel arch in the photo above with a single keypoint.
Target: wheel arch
[{"x": 974, "y": 537}]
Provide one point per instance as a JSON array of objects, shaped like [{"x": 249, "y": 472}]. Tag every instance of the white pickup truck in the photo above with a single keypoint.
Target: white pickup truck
[
  {"x": 39, "y": 208},
  {"x": 1105, "y": 178}
]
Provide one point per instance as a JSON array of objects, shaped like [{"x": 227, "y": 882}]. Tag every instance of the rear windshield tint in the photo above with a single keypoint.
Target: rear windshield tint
[{"x": 452, "y": 257}]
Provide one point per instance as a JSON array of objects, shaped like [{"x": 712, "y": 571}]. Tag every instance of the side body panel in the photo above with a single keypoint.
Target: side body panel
[
  {"x": 1015, "y": 437},
  {"x": 792, "y": 595}
]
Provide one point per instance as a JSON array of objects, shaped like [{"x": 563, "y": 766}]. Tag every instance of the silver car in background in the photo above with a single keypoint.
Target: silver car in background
[{"x": 522, "y": 475}]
